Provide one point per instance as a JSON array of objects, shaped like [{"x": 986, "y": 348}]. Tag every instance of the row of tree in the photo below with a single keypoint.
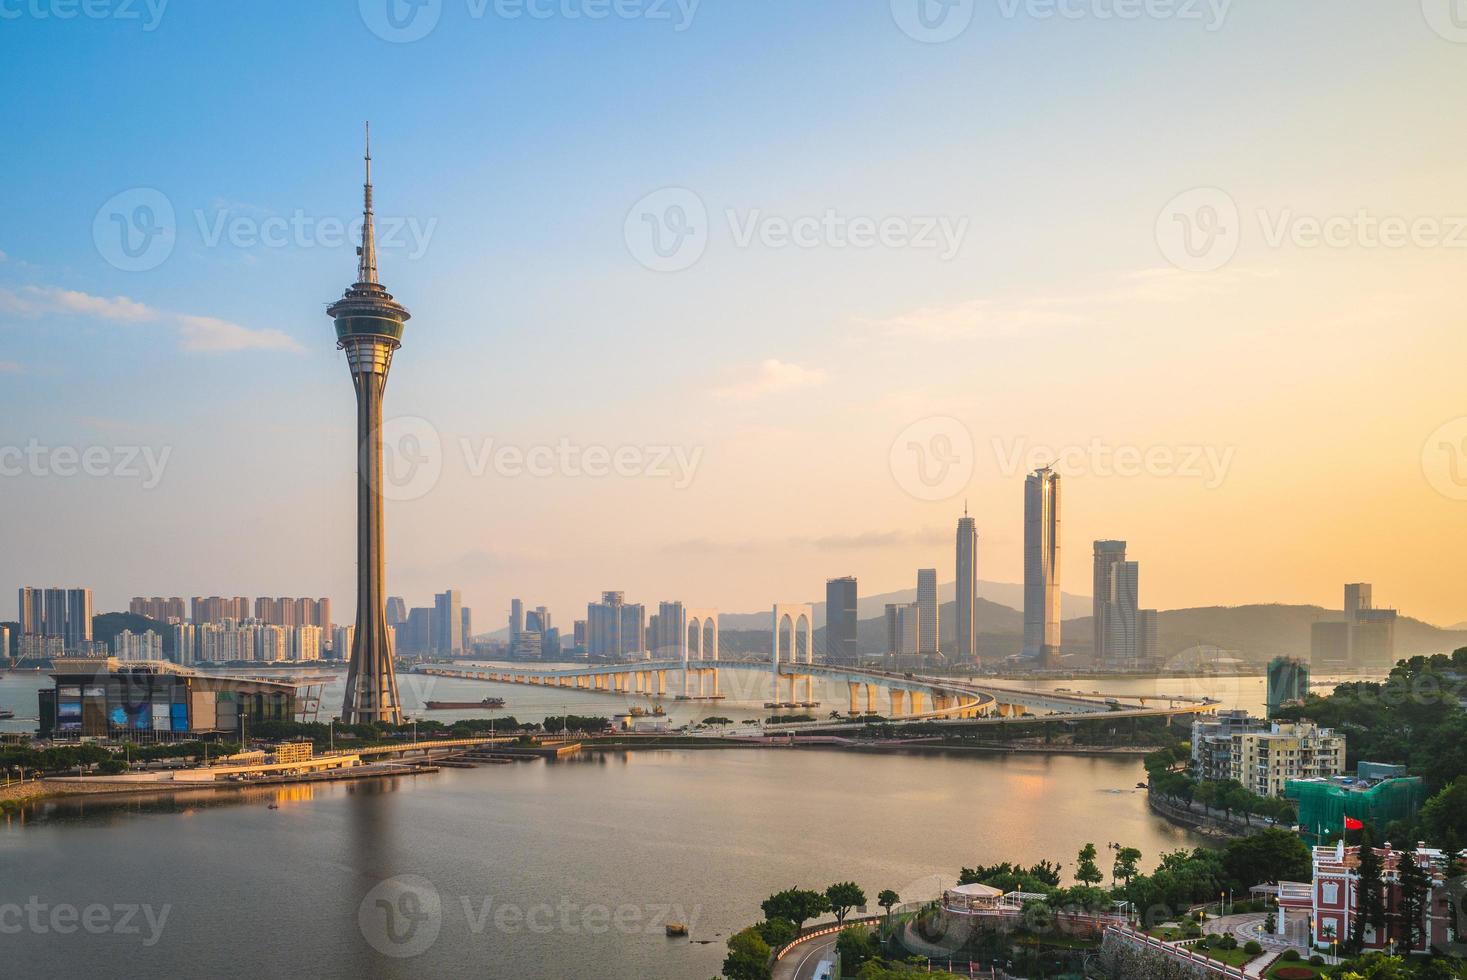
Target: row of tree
[{"x": 785, "y": 914}]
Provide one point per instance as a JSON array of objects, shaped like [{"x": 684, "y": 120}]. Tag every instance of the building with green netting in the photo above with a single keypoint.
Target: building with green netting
[{"x": 1325, "y": 803}]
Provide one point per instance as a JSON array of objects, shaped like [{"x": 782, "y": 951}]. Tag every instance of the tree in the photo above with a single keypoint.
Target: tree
[
  {"x": 777, "y": 932},
  {"x": 856, "y": 945},
  {"x": 1087, "y": 872},
  {"x": 1415, "y": 887},
  {"x": 1127, "y": 865},
  {"x": 1444, "y": 817},
  {"x": 842, "y": 897},
  {"x": 887, "y": 899},
  {"x": 1273, "y": 855},
  {"x": 1377, "y": 966},
  {"x": 1371, "y": 903},
  {"x": 748, "y": 956},
  {"x": 799, "y": 905}
]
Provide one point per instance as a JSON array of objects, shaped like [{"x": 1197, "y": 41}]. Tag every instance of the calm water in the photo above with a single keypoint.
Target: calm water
[{"x": 597, "y": 853}]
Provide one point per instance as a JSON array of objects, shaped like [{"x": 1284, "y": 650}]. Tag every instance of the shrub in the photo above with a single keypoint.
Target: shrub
[
  {"x": 1316, "y": 960},
  {"x": 1291, "y": 955},
  {"x": 1253, "y": 947},
  {"x": 1227, "y": 942}
]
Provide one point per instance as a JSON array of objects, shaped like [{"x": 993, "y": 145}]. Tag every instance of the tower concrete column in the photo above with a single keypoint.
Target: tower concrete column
[{"x": 852, "y": 685}]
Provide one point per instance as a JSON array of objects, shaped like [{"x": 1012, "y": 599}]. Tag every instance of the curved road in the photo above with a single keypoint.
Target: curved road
[{"x": 801, "y": 961}]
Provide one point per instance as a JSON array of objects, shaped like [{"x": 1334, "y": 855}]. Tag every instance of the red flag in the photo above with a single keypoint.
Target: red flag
[{"x": 1352, "y": 824}]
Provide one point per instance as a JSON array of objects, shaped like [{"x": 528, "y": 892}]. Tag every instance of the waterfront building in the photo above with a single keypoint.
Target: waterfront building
[
  {"x": 1122, "y": 641},
  {"x": 110, "y": 698},
  {"x": 927, "y": 627},
  {"x": 1373, "y": 640},
  {"x": 615, "y": 629},
  {"x": 840, "y": 621},
  {"x": 35, "y": 647},
  {"x": 341, "y": 641},
  {"x": 903, "y": 632},
  {"x": 1329, "y": 904},
  {"x": 5, "y": 652},
  {"x": 965, "y": 644},
  {"x": 468, "y": 627},
  {"x": 128, "y": 645},
  {"x": 305, "y": 644},
  {"x": 396, "y": 610},
  {"x": 1329, "y": 645},
  {"x": 670, "y": 634},
  {"x": 1148, "y": 638},
  {"x": 1288, "y": 683},
  {"x": 448, "y": 624},
  {"x": 32, "y": 611},
  {"x": 1106, "y": 555},
  {"x": 1264, "y": 761},
  {"x": 1042, "y": 565},
  {"x": 272, "y": 643}
]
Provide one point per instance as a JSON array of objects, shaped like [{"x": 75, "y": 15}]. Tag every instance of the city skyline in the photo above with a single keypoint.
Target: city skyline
[{"x": 811, "y": 374}]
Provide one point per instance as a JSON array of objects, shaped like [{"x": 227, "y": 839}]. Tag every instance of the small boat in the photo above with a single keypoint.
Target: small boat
[
  {"x": 638, "y": 712},
  {"x": 464, "y": 705},
  {"x": 273, "y": 806},
  {"x": 677, "y": 928},
  {"x": 6, "y": 713}
]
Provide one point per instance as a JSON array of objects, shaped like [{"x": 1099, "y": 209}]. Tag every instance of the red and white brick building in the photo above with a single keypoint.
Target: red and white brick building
[{"x": 1331, "y": 901}]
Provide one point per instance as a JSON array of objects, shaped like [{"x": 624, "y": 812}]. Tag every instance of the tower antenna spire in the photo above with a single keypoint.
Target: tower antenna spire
[{"x": 367, "y": 253}]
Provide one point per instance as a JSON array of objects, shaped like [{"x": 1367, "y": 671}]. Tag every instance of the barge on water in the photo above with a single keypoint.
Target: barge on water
[{"x": 464, "y": 705}]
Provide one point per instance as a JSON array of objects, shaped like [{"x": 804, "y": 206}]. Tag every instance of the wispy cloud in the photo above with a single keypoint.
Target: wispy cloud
[
  {"x": 769, "y": 377},
  {"x": 984, "y": 318},
  {"x": 196, "y": 333}
]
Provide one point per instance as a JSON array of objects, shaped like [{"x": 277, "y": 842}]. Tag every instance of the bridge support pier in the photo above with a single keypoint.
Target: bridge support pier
[
  {"x": 809, "y": 688},
  {"x": 853, "y": 685},
  {"x": 871, "y": 699},
  {"x": 898, "y": 702},
  {"x": 662, "y": 683},
  {"x": 917, "y": 699}
]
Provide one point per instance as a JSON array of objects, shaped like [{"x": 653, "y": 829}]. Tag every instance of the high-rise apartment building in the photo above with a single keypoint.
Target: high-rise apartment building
[
  {"x": 1107, "y": 554},
  {"x": 928, "y": 630},
  {"x": 1122, "y": 639},
  {"x": 1264, "y": 761},
  {"x": 1148, "y": 638},
  {"x": 396, "y": 610},
  {"x": 448, "y": 622},
  {"x": 159, "y": 608},
  {"x": 57, "y": 612},
  {"x": 128, "y": 645},
  {"x": 840, "y": 621},
  {"x": 1288, "y": 681},
  {"x": 185, "y": 643},
  {"x": 1042, "y": 565},
  {"x": 965, "y": 644},
  {"x": 32, "y": 614},
  {"x": 417, "y": 637},
  {"x": 903, "y": 632},
  {"x": 670, "y": 634},
  {"x": 615, "y": 629}
]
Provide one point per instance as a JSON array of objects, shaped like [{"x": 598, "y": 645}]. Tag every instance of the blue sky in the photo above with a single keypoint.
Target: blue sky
[{"x": 518, "y": 145}]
